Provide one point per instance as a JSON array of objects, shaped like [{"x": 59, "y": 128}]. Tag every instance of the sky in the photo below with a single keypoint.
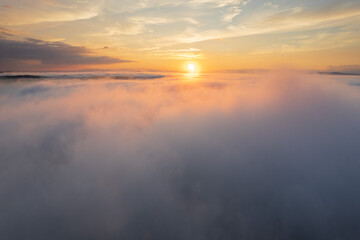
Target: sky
[{"x": 167, "y": 35}]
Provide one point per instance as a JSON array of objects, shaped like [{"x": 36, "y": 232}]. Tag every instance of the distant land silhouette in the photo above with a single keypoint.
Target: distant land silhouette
[{"x": 340, "y": 73}]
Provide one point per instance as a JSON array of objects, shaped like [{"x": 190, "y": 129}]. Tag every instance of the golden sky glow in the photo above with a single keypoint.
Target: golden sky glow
[{"x": 165, "y": 35}]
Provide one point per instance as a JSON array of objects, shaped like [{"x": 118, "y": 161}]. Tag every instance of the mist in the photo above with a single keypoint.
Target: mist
[{"x": 221, "y": 156}]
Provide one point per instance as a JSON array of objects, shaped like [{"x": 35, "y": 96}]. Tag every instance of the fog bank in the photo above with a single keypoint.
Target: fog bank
[{"x": 270, "y": 156}]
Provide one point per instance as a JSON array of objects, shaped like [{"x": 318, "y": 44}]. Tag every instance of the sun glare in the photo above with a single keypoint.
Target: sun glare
[
  {"x": 191, "y": 67},
  {"x": 191, "y": 70}
]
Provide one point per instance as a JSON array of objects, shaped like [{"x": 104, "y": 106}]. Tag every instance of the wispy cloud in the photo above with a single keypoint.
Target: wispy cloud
[
  {"x": 5, "y": 32},
  {"x": 33, "y": 11},
  {"x": 322, "y": 40}
]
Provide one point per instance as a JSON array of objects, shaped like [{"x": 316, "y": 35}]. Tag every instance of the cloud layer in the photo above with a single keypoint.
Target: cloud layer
[{"x": 225, "y": 157}]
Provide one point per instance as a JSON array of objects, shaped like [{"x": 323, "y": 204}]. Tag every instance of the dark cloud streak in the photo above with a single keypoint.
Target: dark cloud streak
[{"x": 14, "y": 53}]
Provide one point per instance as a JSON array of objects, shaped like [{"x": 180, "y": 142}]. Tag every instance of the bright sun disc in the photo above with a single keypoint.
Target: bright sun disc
[{"x": 191, "y": 67}]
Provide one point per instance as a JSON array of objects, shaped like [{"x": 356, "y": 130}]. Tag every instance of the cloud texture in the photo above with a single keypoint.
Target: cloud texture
[{"x": 224, "y": 157}]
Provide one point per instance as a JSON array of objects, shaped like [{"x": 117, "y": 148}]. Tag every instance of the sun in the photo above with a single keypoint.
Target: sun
[{"x": 191, "y": 67}]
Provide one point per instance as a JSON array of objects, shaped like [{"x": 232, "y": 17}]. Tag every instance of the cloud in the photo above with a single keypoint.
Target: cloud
[
  {"x": 41, "y": 53},
  {"x": 270, "y": 4},
  {"x": 272, "y": 156},
  {"x": 218, "y": 19},
  {"x": 313, "y": 41},
  {"x": 189, "y": 53},
  {"x": 5, "y": 33},
  {"x": 134, "y": 25},
  {"x": 33, "y": 11},
  {"x": 296, "y": 18}
]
